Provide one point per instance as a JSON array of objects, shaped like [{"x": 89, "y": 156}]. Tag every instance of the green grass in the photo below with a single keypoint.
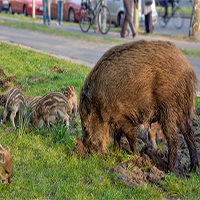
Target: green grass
[{"x": 41, "y": 168}]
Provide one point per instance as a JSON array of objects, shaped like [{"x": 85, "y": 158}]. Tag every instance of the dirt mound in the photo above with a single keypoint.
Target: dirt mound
[
  {"x": 80, "y": 148},
  {"x": 5, "y": 83},
  {"x": 57, "y": 69},
  {"x": 2, "y": 72},
  {"x": 142, "y": 161},
  {"x": 32, "y": 79},
  {"x": 136, "y": 176}
]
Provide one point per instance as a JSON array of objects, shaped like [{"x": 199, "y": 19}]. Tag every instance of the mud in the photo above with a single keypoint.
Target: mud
[
  {"x": 136, "y": 176},
  {"x": 32, "y": 79},
  {"x": 6, "y": 82},
  {"x": 80, "y": 148},
  {"x": 57, "y": 69}
]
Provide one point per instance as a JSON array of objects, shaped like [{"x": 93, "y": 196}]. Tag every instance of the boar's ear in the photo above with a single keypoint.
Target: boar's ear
[
  {"x": 2, "y": 158},
  {"x": 85, "y": 101}
]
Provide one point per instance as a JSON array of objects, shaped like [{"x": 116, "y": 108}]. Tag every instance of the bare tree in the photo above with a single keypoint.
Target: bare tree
[{"x": 195, "y": 20}]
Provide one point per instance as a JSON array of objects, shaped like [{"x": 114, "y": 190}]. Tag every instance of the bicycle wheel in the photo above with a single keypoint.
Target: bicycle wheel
[
  {"x": 104, "y": 19},
  {"x": 178, "y": 18},
  {"x": 161, "y": 18},
  {"x": 84, "y": 19}
]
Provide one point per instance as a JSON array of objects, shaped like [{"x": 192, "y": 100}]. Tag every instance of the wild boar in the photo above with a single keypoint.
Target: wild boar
[
  {"x": 31, "y": 105},
  {"x": 137, "y": 83},
  {"x": 52, "y": 104},
  {"x": 6, "y": 164},
  {"x": 15, "y": 101}
]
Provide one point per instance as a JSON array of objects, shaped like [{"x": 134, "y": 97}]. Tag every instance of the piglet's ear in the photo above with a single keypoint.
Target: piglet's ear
[{"x": 2, "y": 158}]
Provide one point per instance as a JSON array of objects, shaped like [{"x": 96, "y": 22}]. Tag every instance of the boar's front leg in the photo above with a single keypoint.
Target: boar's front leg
[{"x": 130, "y": 132}]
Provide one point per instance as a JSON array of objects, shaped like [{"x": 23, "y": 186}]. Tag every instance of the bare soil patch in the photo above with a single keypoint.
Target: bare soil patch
[{"x": 6, "y": 82}]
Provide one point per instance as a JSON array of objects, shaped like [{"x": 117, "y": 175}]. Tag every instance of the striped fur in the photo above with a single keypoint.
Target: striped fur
[
  {"x": 33, "y": 102},
  {"x": 52, "y": 104},
  {"x": 32, "y": 105},
  {"x": 70, "y": 93},
  {"x": 15, "y": 101}
]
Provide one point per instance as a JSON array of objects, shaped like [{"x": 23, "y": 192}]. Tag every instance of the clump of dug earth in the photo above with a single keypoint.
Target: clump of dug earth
[{"x": 6, "y": 82}]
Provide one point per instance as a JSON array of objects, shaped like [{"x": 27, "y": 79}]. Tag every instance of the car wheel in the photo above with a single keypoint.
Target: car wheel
[
  {"x": 25, "y": 11},
  {"x": 71, "y": 15},
  {"x": 10, "y": 9}
]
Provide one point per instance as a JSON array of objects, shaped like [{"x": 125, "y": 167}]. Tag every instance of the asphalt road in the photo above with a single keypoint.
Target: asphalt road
[{"x": 78, "y": 51}]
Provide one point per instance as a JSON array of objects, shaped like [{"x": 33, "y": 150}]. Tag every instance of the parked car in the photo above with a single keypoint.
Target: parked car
[
  {"x": 117, "y": 12},
  {"x": 3, "y": 5},
  {"x": 25, "y": 7},
  {"x": 70, "y": 10}
]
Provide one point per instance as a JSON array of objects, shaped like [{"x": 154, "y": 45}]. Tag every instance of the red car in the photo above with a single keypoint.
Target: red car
[
  {"x": 25, "y": 6},
  {"x": 70, "y": 10}
]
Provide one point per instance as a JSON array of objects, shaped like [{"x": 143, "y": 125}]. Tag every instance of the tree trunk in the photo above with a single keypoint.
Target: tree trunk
[{"x": 195, "y": 20}]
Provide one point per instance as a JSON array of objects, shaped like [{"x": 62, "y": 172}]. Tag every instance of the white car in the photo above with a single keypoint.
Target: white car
[{"x": 116, "y": 8}]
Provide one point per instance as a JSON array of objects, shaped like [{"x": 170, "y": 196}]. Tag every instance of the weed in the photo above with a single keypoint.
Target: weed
[
  {"x": 24, "y": 119},
  {"x": 62, "y": 134}
]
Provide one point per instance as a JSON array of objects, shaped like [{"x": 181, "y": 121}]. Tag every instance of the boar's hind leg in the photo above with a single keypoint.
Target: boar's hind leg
[
  {"x": 188, "y": 134},
  {"x": 170, "y": 132},
  {"x": 130, "y": 132}
]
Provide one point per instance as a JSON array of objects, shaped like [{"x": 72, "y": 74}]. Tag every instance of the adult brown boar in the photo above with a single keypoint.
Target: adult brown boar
[{"x": 137, "y": 83}]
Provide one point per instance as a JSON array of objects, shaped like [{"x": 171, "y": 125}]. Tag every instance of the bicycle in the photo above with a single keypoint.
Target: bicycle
[
  {"x": 177, "y": 14},
  {"x": 87, "y": 16}
]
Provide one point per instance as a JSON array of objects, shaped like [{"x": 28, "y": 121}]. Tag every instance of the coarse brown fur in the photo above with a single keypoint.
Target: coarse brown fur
[
  {"x": 52, "y": 104},
  {"x": 70, "y": 93},
  {"x": 6, "y": 164},
  {"x": 137, "y": 83},
  {"x": 15, "y": 101}
]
